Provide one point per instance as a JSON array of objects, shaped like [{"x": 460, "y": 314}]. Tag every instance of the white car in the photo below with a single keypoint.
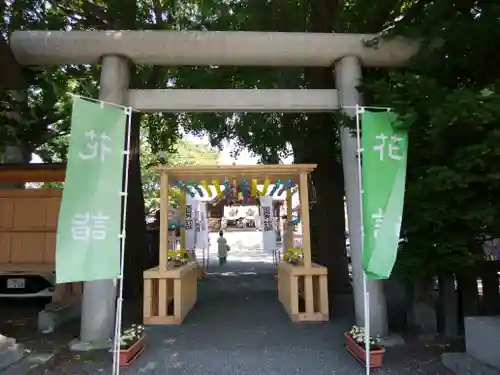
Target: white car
[{"x": 27, "y": 284}]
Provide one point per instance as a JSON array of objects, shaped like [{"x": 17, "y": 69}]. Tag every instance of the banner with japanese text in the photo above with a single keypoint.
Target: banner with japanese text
[
  {"x": 190, "y": 221},
  {"x": 267, "y": 220},
  {"x": 89, "y": 224},
  {"x": 202, "y": 227},
  {"x": 385, "y": 146}
]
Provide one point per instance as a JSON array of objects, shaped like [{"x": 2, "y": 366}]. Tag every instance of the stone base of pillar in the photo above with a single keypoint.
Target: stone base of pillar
[
  {"x": 56, "y": 314},
  {"x": 85, "y": 346},
  {"x": 392, "y": 340},
  {"x": 10, "y": 352}
]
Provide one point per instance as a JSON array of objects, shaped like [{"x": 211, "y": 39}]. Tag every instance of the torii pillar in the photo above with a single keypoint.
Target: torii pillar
[
  {"x": 348, "y": 77},
  {"x": 99, "y": 296}
]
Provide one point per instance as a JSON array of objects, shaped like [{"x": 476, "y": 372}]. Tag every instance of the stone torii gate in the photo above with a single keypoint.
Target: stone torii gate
[{"x": 345, "y": 53}]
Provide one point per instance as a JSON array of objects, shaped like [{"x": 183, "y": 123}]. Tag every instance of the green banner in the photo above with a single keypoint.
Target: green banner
[
  {"x": 88, "y": 230},
  {"x": 385, "y": 149}
]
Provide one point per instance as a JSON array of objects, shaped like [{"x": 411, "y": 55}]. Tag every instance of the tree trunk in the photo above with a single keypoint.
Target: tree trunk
[
  {"x": 122, "y": 15},
  {"x": 468, "y": 293},
  {"x": 327, "y": 214},
  {"x": 136, "y": 248},
  {"x": 328, "y": 225},
  {"x": 448, "y": 306},
  {"x": 320, "y": 145},
  {"x": 422, "y": 315}
]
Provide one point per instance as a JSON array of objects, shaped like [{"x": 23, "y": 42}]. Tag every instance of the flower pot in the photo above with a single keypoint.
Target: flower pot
[
  {"x": 127, "y": 356},
  {"x": 359, "y": 353}
]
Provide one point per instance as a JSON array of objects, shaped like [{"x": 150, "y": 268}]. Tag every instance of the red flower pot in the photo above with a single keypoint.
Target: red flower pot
[
  {"x": 358, "y": 352},
  {"x": 127, "y": 356}
]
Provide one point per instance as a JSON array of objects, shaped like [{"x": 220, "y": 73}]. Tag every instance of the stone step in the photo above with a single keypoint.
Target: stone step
[
  {"x": 462, "y": 364},
  {"x": 482, "y": 339}
]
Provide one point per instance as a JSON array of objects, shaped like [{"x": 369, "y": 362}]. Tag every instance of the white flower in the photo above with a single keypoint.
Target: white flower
[
  {"x": 130, "y": 335},
  {"x": 358, "y": 335}
]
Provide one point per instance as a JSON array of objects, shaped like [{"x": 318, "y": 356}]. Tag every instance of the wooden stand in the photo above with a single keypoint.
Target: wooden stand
[
  {"x": 170, "y": 294},
  {"x": 309, "y": 284}
]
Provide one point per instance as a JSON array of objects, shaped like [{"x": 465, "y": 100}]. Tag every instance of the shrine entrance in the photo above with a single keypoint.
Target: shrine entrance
[{"x": 171, "y": 288}]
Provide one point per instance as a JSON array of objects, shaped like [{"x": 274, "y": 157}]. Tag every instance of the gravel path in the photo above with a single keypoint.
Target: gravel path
[{"x": 239, "y": 328}]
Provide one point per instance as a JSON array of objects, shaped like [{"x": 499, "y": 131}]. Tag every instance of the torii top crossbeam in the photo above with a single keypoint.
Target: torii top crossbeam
[
  {"x": 250, "y": 172},
  {"x": 179, "y": 48}
]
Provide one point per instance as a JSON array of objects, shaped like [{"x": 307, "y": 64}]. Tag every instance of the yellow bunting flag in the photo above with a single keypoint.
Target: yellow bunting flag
[
  {"x": 207, "y": 188},
  {"x": 266, "y": 185},
  {"x": 254, "y": 188},
  {"x": 217, "y": 187}
]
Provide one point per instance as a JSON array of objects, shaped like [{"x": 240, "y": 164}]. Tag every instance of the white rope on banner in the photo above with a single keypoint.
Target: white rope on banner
[
  {"x": 102, "y": 102},
  {"x": 362, "y": 108},
  {"x": 366, "y": 294},
  {"x": 119, "y": 302}
]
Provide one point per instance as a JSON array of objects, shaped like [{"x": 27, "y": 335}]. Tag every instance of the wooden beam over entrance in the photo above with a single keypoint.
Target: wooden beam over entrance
[{"x": 229, "y": 172}]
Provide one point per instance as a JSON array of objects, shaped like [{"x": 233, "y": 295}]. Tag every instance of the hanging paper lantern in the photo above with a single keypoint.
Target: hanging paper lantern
[
  {"x": 227, "y": 189},
  {"x": 217, "y": 187},
  {"x": 195, "y": 186},
  {"x": 255, "y": 192},
  {"x": 185, "y": 187},
  {"x": 207, "y": 188},
  {"x": 288, "y": 185},
  {"x": 266, "y": 185},
  {"x": 244, "y": 189},
  {"x": 276, "y": 186}
]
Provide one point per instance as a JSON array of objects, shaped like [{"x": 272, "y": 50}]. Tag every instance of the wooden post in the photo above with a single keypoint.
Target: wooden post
[
  {"x": 173, "y": 240},
  {"x": 306, "y": 241},
  {"x": 163, "y": 222},
  {"x": 289, "y": 227},
  {"x": 183, "y": 219},
  {"x": 304, "y": 217}
]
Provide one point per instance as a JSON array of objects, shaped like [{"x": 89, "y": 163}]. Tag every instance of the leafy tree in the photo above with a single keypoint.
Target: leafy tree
[
  {"x": 32, "y": 119},
  {"x": 186, "y": 153},
  {"x": 450, "y": 97},
  {"x": 447, "y": 93}
]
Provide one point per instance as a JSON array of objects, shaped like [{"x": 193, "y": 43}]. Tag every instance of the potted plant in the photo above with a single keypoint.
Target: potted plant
[
  {"x": 355, "y": 342},
  {"x": 294, "y": 256},
  {"x": 179, "y": 257},
  {"x": 131, "y": 344}
]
